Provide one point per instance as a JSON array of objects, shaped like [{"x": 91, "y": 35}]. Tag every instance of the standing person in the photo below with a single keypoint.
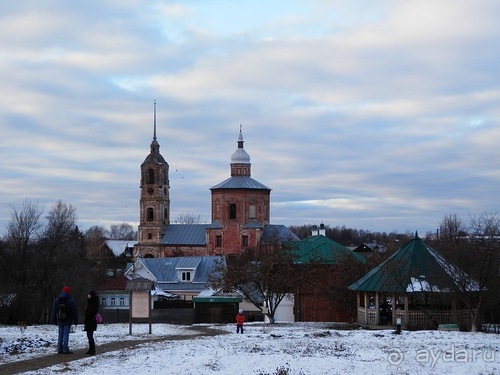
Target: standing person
[
  {"x": 90, "y": 320},
  {"x": 65, "y": 314},
  {"x": 240, "y": 319}
]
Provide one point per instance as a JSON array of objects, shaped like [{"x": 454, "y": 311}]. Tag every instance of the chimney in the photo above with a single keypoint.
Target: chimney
[
  {"x": 322, "y": 230},
  {"x": 314, "y": 231}
]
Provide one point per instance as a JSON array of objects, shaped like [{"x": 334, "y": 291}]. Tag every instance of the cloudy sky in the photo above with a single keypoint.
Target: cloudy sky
[{"x": 376, "y": 115}]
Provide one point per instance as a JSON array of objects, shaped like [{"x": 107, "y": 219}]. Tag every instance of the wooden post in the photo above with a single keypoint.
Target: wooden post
[
  {"x": 366, "y": 308},
  {"x": 150, "y": 311},
  {"x": 377, "y": 308},
  {"x": 407, "y": 311},
  {"x": 394, "y": 307},
  {"x": 454, "y": 308},
  {"x": 358, "y": 305},
  {"x": 130, "y": 315}
]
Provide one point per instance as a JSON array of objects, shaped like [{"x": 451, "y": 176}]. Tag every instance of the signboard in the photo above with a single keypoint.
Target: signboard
[
  {"x": 140, "y": 300},
  {"x": 140, "y": 305}
]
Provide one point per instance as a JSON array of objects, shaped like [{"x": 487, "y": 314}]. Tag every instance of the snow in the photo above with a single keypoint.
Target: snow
[
  {"x": 420, "y": 285},
  {"x": 296, "y": 348}
]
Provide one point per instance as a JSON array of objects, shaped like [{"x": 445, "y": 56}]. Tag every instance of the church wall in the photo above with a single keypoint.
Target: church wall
[{"x": 244, "y": 199}]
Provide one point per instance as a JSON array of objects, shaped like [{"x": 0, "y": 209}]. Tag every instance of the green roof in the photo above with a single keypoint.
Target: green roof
[
  {"x": 323, "y": 250},
  {"x": 416, "y": 267}
]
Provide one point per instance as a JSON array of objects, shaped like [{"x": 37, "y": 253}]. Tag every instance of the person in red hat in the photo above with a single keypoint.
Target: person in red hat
[{"x": 65, "y": 314}]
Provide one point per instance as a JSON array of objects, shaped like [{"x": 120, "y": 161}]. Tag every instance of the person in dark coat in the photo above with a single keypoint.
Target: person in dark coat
[
  {"x": 90, "y": 320},
  {"x": 64, "y": 324}
]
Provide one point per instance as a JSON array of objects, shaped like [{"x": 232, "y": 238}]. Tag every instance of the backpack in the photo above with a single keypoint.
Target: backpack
[{"x": 62, "y": 309}]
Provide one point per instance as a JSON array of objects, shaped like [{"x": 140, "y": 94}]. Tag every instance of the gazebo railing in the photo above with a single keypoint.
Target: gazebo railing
[
  {"x": 367, "y": 316},
  {"x": 417, "y": 318}
]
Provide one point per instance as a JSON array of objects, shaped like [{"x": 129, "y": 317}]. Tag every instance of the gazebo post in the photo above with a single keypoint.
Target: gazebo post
[
  {"x": 407, "y": 310},
  {"x": 358, "y": 305},
  {"x": 394, "y": 305},
  {"x": 454, "y": 308},
  {"x": 377, "y": 308},
  {"x": 366, "y": 307}
]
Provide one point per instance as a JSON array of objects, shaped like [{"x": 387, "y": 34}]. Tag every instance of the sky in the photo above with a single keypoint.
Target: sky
[
  {"x": 376, "y": 115},
  {"x": 294, "y": 349}
]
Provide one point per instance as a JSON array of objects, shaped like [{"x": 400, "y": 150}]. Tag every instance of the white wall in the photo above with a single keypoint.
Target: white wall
[{"x": 284, "y": 312}]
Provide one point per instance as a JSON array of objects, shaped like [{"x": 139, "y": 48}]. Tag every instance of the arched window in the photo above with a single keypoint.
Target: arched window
[
  {"x": 151, "y": 176},
  {"x": 150, "y": 214},
  {"x": 232, "y": 211},
  {"x": 231, "y": 259}
]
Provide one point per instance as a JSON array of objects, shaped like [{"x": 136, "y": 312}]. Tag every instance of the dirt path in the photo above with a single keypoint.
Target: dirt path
[{"x": 38, "y": 363}]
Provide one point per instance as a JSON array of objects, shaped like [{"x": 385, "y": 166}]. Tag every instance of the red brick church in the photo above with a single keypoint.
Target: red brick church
[{"x": 240, "y": 208}]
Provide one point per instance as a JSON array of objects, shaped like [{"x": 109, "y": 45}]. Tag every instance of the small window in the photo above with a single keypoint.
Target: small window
[
  {"x": 122, "y": 301},
  {"x": 186, "y": 276},
  {"x": 244, "y": 240},
  {"x": 232, "y": 211},
  {"x": 113, "y": 301},
  {"x": 218, "y": 241},
  {"x": 150, "y": 236}
]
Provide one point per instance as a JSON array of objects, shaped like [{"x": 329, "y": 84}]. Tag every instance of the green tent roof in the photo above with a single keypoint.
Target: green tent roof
[
  {"x": 323, "y": 250},
  {"x": 416, "y": 267}
]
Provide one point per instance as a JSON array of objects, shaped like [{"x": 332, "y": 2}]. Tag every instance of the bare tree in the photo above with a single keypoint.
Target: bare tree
[
  {"x": 452, "y": 228},
  {"x": 23, "y": 233},
  {"x": 188, "y": 219},
  {"x": 476, "y": 253},
  {"x": 58, "y": 255},
  {"x": 95, "y": 236},
  {"x": 123, "y": 231},
  {"x": 265, "y": 278}
]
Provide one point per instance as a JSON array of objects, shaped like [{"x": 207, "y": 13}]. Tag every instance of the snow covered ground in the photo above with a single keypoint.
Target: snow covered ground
[{"x": 298, "y": 348}]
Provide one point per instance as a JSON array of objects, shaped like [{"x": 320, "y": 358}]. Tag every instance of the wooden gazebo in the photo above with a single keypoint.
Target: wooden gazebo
[{"x": 413, "y": 287}]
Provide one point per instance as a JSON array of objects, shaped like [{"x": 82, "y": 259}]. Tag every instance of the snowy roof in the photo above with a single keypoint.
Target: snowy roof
[
  {"x": 159, "y": 292},
  {"x": 118, "y": 247},
  {"x": 165, "y": 271}
]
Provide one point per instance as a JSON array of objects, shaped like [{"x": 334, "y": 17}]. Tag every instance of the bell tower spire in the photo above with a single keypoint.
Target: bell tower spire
[
  {"x": 155, "y": 197},
  {"x": 154, "y": 127}
]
